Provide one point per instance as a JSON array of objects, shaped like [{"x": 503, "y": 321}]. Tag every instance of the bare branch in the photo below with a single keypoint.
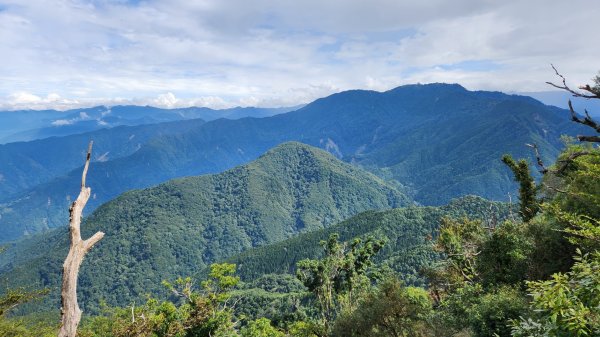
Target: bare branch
[
  {"x": 556, "y": 189},
  {"x": 89, "y": 243},
  {"x": 588, "y": 88},
  {"x": 564, "y": 163},
  {"x": 87, "y": 163},
  {"x": 540, "y": 163},
  {"x": 587, "y": 120},
  {"x": 591, "y": 139},
  {"x": 564, "y": 86}
]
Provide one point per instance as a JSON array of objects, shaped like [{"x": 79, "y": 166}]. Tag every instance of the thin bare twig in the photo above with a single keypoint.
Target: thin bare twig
[
  {"x": 587, "y": 120},
  {"x": 564, "y": 86},
  {"x": 540, "y": 162}
]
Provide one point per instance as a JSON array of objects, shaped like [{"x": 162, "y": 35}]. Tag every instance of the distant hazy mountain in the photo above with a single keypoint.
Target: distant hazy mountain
[
  {"x": 181, "y": 226},
  {"x": 27, "y": 164},
  {"x": 561, "y": 98},
  {"x": 30, "y": 125},
  {"x": 439, "y": 140}
]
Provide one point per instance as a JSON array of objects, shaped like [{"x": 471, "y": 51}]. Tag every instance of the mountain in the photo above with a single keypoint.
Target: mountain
[
  {"x": 180, "y": 226},
  {"x": 31, "y": 125},
  {"x": 17, "y": 121},
  {"x": 440, "y": 141}
]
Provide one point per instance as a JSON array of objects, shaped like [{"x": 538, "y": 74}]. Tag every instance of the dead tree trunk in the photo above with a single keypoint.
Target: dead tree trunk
[{"x": 71, "y": 314}]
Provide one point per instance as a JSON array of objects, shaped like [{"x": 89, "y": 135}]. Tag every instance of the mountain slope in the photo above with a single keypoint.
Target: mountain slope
[
  {"x": 407, "y": 232},
  {"x": 441, "y": 141},
  {"x": 181, "y": 226}
]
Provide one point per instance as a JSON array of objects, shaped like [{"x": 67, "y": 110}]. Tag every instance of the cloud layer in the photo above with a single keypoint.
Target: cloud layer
[{"x": 69, "y": 53}]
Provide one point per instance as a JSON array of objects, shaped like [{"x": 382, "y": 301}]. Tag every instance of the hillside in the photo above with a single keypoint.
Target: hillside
[
  {"x": 440, "y": 141},
  {"x": 407, "y": 232},
  {"x": 179, "y": 227}
]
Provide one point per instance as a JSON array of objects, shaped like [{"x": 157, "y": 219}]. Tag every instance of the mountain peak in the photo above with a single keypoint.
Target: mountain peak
[
  {"x": 292, "y": 147},
  {"x": 431, "y": 86}
]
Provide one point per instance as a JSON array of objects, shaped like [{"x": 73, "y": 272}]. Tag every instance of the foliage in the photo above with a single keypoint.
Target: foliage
[
  {"x": 506, "y": 255},
  {"x": 566, "y": 305},
  {"x": 476, "y": 287},
  {"x": 576, "y": 202},
  {"x": 390, "y": 310},
  {"x": 573, "y": 183},
  {"x": 460, "y": 242},
  {"x": 19, "y": 326},
  {"x": 205, "y": 313},
  {"x": 484, "y": 313},
  {"x": 261, "y": 328}
]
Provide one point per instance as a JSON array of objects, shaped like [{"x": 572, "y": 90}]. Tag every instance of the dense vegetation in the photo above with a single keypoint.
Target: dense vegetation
[
  {"x": 440, "y": 141},
  {"x": 407, "y": 233}
]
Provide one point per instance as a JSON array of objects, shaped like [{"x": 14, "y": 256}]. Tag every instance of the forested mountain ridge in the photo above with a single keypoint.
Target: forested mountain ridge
[
  {"x": 408, "y": 233},
  {"x": 181, "y": 226},
  {"x": 439, "y": 140}
]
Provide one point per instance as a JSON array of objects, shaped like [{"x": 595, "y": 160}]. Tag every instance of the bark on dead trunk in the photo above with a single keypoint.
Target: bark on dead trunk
[{"x": 71, "y": 314}]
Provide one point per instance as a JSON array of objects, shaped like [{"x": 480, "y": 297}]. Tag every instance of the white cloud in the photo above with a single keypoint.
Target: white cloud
[
  {"x": 167, "y": 100},
  {"x": 26, "y": 100},
  {"x": 82, "y": 117},
  {"x": 73, "y": 53}
]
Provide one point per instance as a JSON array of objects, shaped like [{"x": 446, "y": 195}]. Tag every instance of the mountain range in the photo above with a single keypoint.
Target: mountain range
[
  {"x": 435, "y": 142},
  {"x": 31, "y": 125},
  {"x": 183, "y": 225}
]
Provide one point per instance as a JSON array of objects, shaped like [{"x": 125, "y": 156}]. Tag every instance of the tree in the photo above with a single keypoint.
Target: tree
[
  {"x": 476, "y": 286},
  {"x": 71, "y": 314},
  {"x": 261, "y": 328},
  {"x": 192, "y": 313},
  {"x": 528, "y": 204},
  {"x": 336, "y": 279},
  {"x": 391, "y": 310}
]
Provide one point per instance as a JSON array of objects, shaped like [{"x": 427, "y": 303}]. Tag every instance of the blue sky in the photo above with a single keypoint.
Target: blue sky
[{"x": 70, "y": 53}]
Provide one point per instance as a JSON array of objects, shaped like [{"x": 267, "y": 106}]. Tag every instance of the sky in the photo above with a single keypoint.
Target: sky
[{"x": 64, "y": 54}]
